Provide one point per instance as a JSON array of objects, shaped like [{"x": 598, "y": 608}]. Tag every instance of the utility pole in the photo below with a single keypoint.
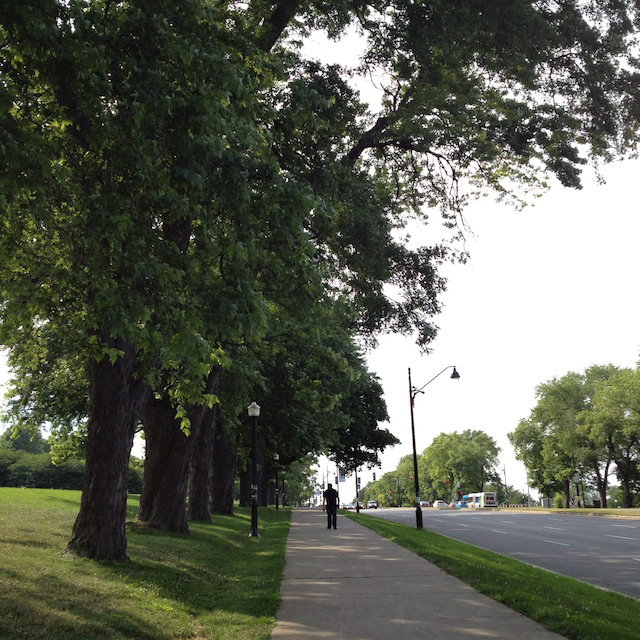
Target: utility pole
[{"x": 506, "y": 487}]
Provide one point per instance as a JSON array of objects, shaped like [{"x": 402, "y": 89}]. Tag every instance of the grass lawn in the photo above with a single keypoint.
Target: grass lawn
[
  {"x": 572, "y": 608},
  {"x": 215, "y": 583}
]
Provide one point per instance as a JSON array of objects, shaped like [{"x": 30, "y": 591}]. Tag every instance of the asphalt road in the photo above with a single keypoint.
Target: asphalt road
[{"x": 602, "y": 551}]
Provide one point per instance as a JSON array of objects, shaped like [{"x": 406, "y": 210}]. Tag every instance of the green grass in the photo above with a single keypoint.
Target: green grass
[
  {"x": 572, "y": 608},
  {"x": 215, "y": 583}
]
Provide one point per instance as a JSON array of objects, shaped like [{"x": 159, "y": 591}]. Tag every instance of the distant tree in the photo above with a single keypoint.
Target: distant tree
[
  {"x": 299, "y": 480},
  {"x": 614, "y": 422},
  {"x": 467, "y": 459},
  {"x": 560, "y": 436},
  {"x": 23, "y": 438}
]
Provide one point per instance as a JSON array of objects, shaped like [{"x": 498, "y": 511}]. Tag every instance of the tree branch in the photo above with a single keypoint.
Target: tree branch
[{"x": 276, "y": 23}]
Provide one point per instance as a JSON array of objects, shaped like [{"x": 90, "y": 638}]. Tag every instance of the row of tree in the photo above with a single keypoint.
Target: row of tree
[
  {"x": 453, "y": 463},
  {"x": 584, "y": 428},
  {"x": 26, "y": 461},
  {"x": 194, "y": 215}
]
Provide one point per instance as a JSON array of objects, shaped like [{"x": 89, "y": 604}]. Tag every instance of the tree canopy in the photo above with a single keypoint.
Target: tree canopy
[{"x": 585, "y": 423}]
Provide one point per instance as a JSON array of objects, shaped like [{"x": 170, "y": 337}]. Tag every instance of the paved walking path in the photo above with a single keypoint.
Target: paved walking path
[{"x": 351, "y": 584}]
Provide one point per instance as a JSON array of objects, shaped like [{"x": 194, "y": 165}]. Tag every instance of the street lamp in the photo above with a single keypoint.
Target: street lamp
[
  {"x": 254, "y": 411},
  {"x": 413, "y": 392},
  {"x": 276, "y": 458}
]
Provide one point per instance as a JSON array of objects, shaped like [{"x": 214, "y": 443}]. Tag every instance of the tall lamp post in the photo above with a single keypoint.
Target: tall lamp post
[
  {"x": 413, "y": 392},
  {"x": 276, "y": 458},
  {"x": 254, "y": 411}
]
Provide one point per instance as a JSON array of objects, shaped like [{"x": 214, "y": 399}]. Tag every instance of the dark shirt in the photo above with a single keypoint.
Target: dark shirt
[{"x": 331, "y": 497}]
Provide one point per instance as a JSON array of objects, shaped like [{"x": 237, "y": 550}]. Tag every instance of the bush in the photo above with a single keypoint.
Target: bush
[{"x": 36, "y": 471}]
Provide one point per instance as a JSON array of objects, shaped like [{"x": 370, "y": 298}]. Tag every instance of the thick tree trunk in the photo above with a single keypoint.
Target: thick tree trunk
[
  {"x": 201, "y": 465},
  {"x": 627, "y": 493},
  {"x": 200, "y": 472},
  {"x": 116, "y": 400},
  {"x": 164, "y": 487},
  {"x": 163, "y": 501},
  {"x": 225, "y": 459},
  {"x": 263, "y": 481},
  {"x": 567, "y": 492}
]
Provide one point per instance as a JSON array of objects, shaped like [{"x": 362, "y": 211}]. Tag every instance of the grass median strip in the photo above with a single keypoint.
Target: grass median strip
[
  {"x": 572, "y": 608},
  {"x": 214, "y": 583}
]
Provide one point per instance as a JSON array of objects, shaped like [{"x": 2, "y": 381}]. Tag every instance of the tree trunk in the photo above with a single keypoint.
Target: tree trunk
[
  {"x": 116, "y": 399},
  {"x": 225, "y": 459},
  {"x": 567, "y": 492},
  {"x": 627, "y": 493},
  {"x": 163, "y": 501},
  {"x": 263, "y": 480},
  {"x": 601, "y": 483},
  {"x": 164, "y": 486},
  {"x": 200, "y": 473},
  {"x": 201, "y": 463}
]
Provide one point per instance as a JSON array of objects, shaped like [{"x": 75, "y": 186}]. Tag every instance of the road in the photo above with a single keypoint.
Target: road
[{"x": 602, "y": 551}]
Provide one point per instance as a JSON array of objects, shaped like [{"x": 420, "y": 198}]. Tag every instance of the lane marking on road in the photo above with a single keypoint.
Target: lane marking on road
[
  {"x": 636, "y": 559},
  {"x": 564, "y": 544},
  {"x": 508, "y": 521},
  {"x": 625, "y": 526},
  {"x": 556, "y": 528},
  {"x": 607, "y": 535},
  {"x": 463, "y": 525},
  {"x": 506, "y": 533}
]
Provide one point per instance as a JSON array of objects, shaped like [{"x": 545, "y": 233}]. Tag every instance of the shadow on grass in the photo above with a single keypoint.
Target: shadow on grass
[
  {"x": 52, "y": 607},
  {"x": 175, "y": 586},
  {"x": 216, "y": 566}
]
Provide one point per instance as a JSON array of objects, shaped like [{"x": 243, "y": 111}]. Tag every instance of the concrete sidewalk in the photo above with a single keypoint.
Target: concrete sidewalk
[{"x": 351, "y": 584}]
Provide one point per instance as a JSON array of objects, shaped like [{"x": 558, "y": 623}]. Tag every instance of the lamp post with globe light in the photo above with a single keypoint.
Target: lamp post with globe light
[{"x": 254, "y": 411}]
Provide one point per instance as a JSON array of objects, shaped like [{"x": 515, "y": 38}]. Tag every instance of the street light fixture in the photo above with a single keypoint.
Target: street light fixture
[
  {"x": 254, "y": 411},
  {"x": 413, "y": 392},
  {"x": 276, "y": 458}
]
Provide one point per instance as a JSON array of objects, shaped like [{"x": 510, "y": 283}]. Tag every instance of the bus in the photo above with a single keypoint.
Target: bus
[{"x": 482, "y": 500}]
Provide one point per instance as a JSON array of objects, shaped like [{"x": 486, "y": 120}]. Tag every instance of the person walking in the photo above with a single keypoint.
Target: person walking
[{"x": 330, "y": 499}]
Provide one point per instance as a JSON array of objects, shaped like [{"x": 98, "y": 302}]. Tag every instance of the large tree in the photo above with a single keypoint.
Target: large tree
[
  {"x": 128, "y": 129},
  {"x": 465, "y": 460},
  {"x": 614, "y": 423},
  {"x": 561, "y": 436}
]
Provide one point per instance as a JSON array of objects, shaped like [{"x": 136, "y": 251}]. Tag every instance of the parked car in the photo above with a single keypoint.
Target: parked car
[
  {"x": 425, "y": 503},
  {"x": 372, "y": 504},
  {"x": 438, "y": 504}
]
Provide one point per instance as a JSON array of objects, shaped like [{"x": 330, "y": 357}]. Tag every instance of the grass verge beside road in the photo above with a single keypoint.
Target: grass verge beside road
[
  {"x": 572, "y": 608},
  {"x": 214, "y": 583}
]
